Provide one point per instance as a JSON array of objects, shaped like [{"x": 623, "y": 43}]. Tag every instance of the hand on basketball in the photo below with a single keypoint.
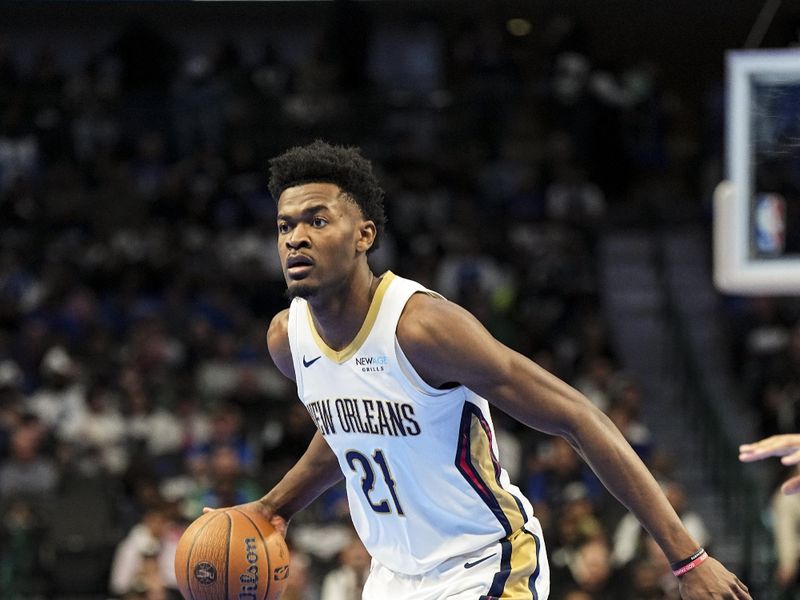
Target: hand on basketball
[
  {"x": 787, "y": 446},
  {"x": 278, "y": 522},
  {"x": 712, "y": 581}
]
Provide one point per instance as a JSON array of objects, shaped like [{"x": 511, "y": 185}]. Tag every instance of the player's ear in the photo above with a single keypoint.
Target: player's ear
[{"x": 366, "y": 235}]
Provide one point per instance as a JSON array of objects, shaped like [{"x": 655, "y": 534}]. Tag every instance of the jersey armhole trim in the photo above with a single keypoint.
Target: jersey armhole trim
[
  {"x": 414, "y": 378},
  {"x": 408, "y": 370},
  {"x": 294, "y": 309}
]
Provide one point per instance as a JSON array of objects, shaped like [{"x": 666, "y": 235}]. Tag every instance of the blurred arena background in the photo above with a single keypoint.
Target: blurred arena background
[{"x": 549, "y": 165}]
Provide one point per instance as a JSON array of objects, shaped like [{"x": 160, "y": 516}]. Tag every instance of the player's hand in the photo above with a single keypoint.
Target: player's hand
[
  {"x": 711, "y": 580},
  {"x": 280, "y": 524},
  {"x": 787, "y": 446}
]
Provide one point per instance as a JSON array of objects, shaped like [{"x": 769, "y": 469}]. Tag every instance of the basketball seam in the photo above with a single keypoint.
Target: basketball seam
[
  {"x": 266, "y": 551},
  {"x": 228, "y": 554},
  {"x": 189, "y": 556}
]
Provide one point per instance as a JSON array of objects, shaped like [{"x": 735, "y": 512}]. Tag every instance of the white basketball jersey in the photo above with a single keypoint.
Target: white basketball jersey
[{"x": 424, "y": 482}]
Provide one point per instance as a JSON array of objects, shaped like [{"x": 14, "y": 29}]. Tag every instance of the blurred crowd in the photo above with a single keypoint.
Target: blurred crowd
[
  {"x": 138, "y": 276},
  {"x": 765, "y": 336}
]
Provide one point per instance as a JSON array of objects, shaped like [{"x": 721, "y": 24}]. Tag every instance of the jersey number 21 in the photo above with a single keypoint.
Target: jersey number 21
[{"x": 368, "y": 479}]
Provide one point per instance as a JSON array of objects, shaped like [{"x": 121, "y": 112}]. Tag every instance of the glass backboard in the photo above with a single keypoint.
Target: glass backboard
[{"x": 757, "y": 208}]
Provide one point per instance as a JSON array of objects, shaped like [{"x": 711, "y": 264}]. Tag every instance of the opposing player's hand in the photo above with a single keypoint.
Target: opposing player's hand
[
  {"x": 787, "y": 446},
  {"x": 711, "y": 580},
  {"x": 267, "y": 512}
]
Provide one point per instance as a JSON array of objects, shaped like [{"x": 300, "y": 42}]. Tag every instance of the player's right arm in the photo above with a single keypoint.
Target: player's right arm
[{"x": 316, "y": 470}]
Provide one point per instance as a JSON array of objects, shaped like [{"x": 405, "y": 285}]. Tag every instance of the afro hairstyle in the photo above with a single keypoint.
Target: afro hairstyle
[{"x": 320, "y": 162}]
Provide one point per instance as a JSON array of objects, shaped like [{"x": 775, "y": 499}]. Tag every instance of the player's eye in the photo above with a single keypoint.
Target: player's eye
[
  {"x": 318, "y": 222},
  {"x": 283, "y": 227}
]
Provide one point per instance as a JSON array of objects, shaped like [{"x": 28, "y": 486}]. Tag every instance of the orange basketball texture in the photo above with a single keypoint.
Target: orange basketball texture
[{"x": 231, "y": 555}]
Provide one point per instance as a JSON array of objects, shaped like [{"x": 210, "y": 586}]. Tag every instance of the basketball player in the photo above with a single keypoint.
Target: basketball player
[
  {"x": 786, "y": 446},
  {"x": 399, "y": 381}
]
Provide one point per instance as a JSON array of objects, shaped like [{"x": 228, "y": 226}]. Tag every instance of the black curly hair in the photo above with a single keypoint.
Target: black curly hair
[{"x": 320, "y": 162}]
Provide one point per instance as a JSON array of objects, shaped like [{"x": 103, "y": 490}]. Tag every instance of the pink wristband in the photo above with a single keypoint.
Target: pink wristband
[{"x": 689, "y": 566}]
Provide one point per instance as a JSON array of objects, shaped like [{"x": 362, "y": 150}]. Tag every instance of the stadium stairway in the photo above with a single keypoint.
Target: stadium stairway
[{"x": 638, "y": 270}]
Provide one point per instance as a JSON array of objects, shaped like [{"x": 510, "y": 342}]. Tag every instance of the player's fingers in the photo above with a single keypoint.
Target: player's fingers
[
  {"x": 743, "y": 590},
  {"x": 792, "y": 459},
  {"x": 769, "y": 444},
  {"x": 280, "y": 525},
  {"x": 207, "y": 509},
  {"x": 791, "y": 486},
  {"x": 776, "y": 445},
  {"x": 757, "y": 454}
]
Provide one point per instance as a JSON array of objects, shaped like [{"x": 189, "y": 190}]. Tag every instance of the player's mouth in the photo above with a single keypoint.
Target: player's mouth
[{"x": 298, "y": 266}]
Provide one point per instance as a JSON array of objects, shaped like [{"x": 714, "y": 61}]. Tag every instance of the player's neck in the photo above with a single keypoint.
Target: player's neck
[{"x": 338, "y": 317}]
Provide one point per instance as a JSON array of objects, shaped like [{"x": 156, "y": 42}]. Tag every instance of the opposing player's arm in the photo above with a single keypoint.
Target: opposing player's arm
[{"x": 447, "y": 345}]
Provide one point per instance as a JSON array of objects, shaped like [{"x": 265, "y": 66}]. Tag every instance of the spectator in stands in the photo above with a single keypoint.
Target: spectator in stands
[
  {"x": 300, "y": 585},
  {"x": 590, "y": 570},
  {"x": 637, "y": 433},
  {"x": 227, "y": 430},
  {"x": 154, "y": 433},
  {"x": 285, "y": 437},
  {"x": 60, "y": 402},
  {"x": 658, "y": 568},
  {"x": 21, "y": 536},
  {"x": 780, "y": 410},
  {"x": 11, "y": 402},
  {"x": 573, "y": 198},
  {"x": 28, "y": 472},
  {"x": 98, "y": 436},
  {"x": 630, "y": 537},
  {"x": 145, "y": 558},
  {"x": 346, "y": 582},
  {"x": 560, "y": 467},
  {"x": 227, "y": 483},
  {"x": 595, "y": 378}
]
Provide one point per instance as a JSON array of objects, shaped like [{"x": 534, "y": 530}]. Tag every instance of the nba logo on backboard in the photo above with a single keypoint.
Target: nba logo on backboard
[{"x": 770, "y": 224}]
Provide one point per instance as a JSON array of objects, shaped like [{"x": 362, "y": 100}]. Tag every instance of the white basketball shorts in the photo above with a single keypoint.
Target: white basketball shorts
[{"x": 513, "y": 568}]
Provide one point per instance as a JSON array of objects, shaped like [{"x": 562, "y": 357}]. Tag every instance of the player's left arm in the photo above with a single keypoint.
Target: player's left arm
[{"x": 447, "y": 345}]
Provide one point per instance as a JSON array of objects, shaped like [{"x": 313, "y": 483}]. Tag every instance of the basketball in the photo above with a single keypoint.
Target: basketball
[{"x": 231, "y": 555}]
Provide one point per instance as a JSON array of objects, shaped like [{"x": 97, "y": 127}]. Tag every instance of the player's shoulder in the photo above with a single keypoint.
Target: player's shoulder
[
  {"x": 431, "y": 332},
  {"x": 278, "y": 343},
  {"x": 426, "y": 317},
  {"x": 279, "y": 327}
]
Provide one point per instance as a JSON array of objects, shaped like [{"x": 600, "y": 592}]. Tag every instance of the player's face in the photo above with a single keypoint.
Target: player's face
[{"x": 320, "y": 234}]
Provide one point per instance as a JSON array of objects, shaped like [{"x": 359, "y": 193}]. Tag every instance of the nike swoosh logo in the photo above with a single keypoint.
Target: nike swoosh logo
[
  {"x": 308, "y": 363},
  {"x": 469, "y": 565}
]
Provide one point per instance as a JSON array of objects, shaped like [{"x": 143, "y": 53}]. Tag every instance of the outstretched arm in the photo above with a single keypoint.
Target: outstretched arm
[
  {"x": 787, "y": 446},
  {"x": 447, "y": 345}
]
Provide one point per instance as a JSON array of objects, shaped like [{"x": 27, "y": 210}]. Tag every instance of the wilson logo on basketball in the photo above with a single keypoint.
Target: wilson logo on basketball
[
  {"x": 281, "y": 573},
  {"x": 249, "y": 579},
  {"x": 205, "y": 573}
]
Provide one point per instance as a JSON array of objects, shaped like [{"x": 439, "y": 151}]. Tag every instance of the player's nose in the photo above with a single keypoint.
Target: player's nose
[{"x": 298, "y": 238}]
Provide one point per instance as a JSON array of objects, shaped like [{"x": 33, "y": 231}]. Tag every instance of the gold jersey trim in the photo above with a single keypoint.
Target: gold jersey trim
[{"x": 340, "y": 356}]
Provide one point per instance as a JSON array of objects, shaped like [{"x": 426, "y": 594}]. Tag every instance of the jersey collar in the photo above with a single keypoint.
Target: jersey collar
[{"x": 340, "y": 356}]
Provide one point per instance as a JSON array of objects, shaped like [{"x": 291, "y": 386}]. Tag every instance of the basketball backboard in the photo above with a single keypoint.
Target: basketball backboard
[{"x": 757, "y": 208}]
